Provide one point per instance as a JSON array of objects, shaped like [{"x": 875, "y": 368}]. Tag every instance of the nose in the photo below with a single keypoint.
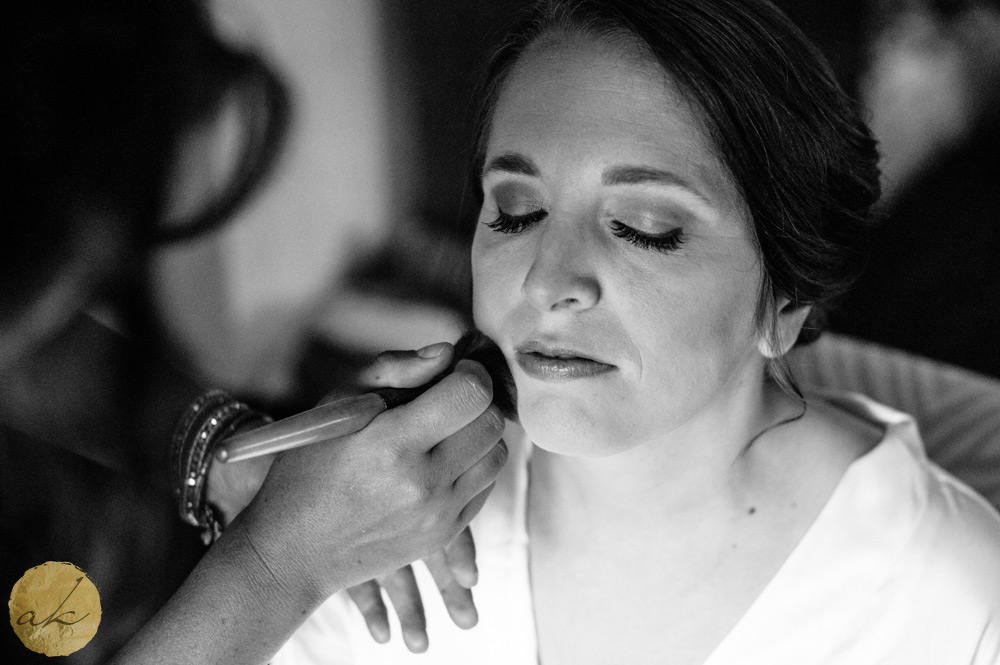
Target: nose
[{"x": 561, "y": 276}]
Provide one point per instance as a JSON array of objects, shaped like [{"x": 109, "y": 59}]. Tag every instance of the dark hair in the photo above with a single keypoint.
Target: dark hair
[
  {"x": 793, "y": 142},
  {"x": 100, "y": 93}
]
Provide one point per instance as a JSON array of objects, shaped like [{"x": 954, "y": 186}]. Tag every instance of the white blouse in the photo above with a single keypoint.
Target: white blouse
[{"x": 902, "y": 565}]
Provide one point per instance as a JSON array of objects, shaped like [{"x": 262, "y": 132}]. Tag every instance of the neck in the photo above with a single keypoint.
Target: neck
[{"x": 710, "y": 464}]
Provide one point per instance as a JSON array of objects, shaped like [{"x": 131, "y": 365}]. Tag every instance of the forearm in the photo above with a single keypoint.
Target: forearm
[{"x": 233, "y": 608}]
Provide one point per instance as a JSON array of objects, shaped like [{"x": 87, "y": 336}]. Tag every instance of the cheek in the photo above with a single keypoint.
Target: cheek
[
  {"x": 694, "y": 331},
  {"x": 490, "y": 284}
]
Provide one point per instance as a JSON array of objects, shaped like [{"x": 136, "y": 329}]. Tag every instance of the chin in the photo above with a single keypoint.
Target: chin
[{"x": 571, "y": 431}]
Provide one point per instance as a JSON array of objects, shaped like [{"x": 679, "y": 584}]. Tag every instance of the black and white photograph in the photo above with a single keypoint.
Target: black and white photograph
[{"x": 506, "y": 332}]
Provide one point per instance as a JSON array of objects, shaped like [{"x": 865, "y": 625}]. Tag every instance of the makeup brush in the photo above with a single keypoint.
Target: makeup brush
[{"x": 351, "y": 414}]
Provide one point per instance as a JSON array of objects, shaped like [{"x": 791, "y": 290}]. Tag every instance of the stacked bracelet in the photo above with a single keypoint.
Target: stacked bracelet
[{"x": 210, "y": 419}]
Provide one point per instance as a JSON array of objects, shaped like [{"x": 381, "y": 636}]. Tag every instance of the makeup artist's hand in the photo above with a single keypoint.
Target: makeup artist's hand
[
  {"x": 231, "y": 487},
  {"x": 334, "y": 514},
  {"x": 452, "y": 567}
]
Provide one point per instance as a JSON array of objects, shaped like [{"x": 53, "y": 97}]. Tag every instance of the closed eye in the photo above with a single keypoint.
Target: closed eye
[
  {"x": 661, "y": 242},
  {"x": 506, "y": 223}
]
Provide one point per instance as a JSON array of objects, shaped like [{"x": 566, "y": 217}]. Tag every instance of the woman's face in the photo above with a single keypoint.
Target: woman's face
[{"x": 612, "y": 259}]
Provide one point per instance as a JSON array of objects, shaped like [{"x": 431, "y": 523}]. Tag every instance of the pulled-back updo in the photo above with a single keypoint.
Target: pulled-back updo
[{"x": 792, "y": 141}]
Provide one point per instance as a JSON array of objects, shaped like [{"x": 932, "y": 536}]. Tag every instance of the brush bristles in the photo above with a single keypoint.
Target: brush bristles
[{"x": 474, "y": 345}]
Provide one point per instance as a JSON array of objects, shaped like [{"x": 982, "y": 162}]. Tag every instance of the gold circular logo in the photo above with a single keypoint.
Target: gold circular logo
[{"x": 55, "y": 609}]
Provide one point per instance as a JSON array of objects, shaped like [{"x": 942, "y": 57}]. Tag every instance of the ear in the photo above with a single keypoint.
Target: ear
[{"x": 788, "y": 321}]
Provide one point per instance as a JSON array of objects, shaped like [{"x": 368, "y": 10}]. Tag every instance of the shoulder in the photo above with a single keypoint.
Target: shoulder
[
  {"x": 946, "y": 582},
  {"x": 959, "y": 534},
  {"x": 929, "y": 546},
  {"x": 950, "y": 536}
]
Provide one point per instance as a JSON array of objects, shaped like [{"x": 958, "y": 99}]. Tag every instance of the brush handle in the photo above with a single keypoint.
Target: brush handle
[
  {"x": 321, "y": 423},
  {"x": 351, "y": 414}
]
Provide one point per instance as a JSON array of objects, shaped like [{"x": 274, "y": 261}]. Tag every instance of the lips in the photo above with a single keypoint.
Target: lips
[{"x": 558, "y": 363}]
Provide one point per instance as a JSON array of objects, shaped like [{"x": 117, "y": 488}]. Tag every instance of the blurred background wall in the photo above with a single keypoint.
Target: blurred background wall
[{"x": 930, "y": 78}]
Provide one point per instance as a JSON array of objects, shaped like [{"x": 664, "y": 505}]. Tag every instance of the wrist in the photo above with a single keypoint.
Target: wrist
[
  {"x": 279, "y": 563},
  {"x": 219, "y": 493},
  {"x": 209, "y": 420},
  {"x": 231, "y": 487}
]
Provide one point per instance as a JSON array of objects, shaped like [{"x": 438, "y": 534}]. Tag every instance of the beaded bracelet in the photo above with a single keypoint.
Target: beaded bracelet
[{"x": 210, "y": 419}]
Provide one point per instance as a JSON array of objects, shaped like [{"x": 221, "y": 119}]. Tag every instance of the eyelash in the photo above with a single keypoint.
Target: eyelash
[
  {"x": 668, "y": 242},
  {"x": 505, "y": 223}
]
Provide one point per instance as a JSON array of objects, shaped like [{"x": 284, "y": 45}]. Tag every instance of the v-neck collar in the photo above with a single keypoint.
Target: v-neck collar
[
  {"x": 846, "y": 553},
  {"x": 848, "y": 550}
]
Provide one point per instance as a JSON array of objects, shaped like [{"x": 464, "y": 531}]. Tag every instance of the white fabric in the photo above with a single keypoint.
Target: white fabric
[
  {"x": 901, "y": 566},
  {"x": 958, "y": 411}
]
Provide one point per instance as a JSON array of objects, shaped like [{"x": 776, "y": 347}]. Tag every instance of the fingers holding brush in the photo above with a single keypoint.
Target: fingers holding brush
[{"x": 406, "y": 369}]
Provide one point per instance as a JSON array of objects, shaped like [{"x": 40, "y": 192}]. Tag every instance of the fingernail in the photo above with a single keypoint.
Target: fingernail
[
  {"x": 432, "y": 351},
  {"x": 469, "y": 619},
  {"x": 417, "y": 642},
  {"x": 466, "y": 577}
]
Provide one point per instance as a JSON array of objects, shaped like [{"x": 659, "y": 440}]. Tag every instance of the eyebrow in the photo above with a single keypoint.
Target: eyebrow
[
  {"x": 512, "y": 163},
  {"x": 641, "y": 175}
]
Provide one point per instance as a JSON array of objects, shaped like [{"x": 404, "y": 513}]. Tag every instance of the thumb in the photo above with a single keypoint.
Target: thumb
[{"x": 399, "y": 369}]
